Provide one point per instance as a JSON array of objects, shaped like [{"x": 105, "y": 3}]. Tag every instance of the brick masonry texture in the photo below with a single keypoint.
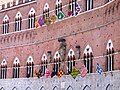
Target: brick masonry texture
[{"x": 94, "y": 27}]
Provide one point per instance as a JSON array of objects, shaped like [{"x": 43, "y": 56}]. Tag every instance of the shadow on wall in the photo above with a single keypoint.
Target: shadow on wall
[
  {"x": 86, "y": 88},
  {"x": 109, "y": 87}
]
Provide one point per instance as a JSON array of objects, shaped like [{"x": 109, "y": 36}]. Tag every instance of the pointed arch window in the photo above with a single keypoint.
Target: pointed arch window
[
  {"x": 57, "y": 61},
  {"x": 88, "y": 58},
  {"x": 110, "y": 56},
  {"x": 18, "y": 21},
  {"x": 71, "y": 60},
  {"x": 16, "y": 68},
  {"x": 3, "y": 69},
  {"x": 44, "y": 63},
  {"x": 89, "y": 4},
  {"x": 30, "y": 67},
  {"x": 72, "y": 5},
  {"x": 46, "y": 11},
  {"x": 58, "y": 6},
  {"x": 5, "y": 24},
  {"x": 31, "y": 18}
]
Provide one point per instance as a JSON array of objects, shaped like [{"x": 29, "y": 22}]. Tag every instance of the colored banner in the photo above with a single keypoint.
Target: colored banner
[
  {"x": 74, "y": 72},
  {"x": 83, "y": 71}
]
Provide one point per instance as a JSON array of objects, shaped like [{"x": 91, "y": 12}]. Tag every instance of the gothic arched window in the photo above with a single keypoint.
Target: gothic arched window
[
  {"x": 58, "y": 6},
  {"x": 57, "y": 61},
  {"x": 89, "y": 4},
  {"x": 88, "y": 60},
  {"x": 30, "y": 67},
  {"x": 3, "y": 69},
  {"x": 71, "y": 60},
  {"x": 18, "y": 21},
  {"x": 31, "y": 18},
  {"x": 16, "y": 68},
  {"x": 46, "y": 11},
  {"x": 44, "y": 63},
  {"x": 72, "y": 5},
  {"x": 5, "y": 24},
  {"x": 110, "y": 56}
]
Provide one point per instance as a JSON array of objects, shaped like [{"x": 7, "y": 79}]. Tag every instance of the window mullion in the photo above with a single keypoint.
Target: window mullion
[
  {"x": 2, "y": 72},
  {"x": 4, "y": 29},
  {"x": 108, "y": 62}
]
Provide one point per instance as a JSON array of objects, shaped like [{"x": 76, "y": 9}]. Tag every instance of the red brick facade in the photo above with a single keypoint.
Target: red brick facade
[{"x": 94, "y": 28}]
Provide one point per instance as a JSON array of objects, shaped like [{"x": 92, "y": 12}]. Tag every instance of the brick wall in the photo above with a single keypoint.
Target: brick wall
[{"x": 94, "y": 28}]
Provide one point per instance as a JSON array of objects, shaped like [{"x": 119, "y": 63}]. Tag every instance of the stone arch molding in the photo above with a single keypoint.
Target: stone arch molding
[
  {"x": 57, "y": 55},
  {"x": 18, "y": 15},
  {"x": 32, "y": 11},
  {"x": 44, "y": 57},
  {"x": 109, "y": 44},
  {"x": 71, "y": 52},
  {"x": 109, "y": 87},
  {"x": 16, "y": 61},
  {"x": 55, "y": 88},
  {"x": 4, "y": 62},
  {"x": 46, "y": 6},
  {"x": 2, "y": 88},
  {"x": 88, "y": 49},
  {"x": 42, "y": 88},
  {"x": 14, "y": 88},
  {"x": 30, "y": 59},
  {"x": 58, "y": 2},
  {"x": 6, "y": 18},
  {"x": 28, "y": 88},
  {"x": 86, "y": 88},
  {"x": 69, "y": 88}
]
